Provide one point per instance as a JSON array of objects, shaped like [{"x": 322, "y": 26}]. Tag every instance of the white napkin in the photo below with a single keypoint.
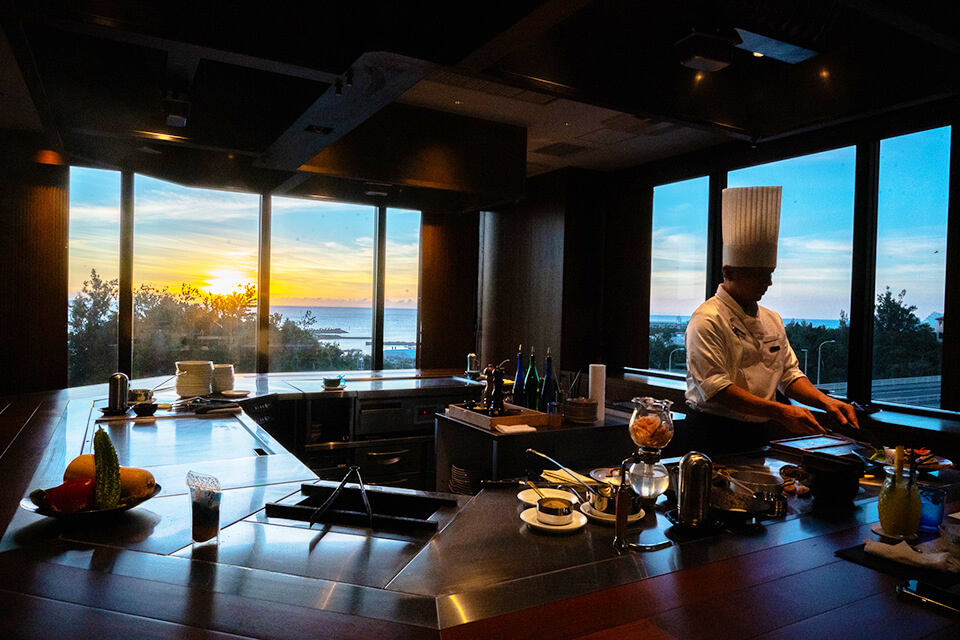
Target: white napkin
[
  {"x": 514, "y": 428},
  {"x": 903, "y": 552},
  {"x": 559, "y": 476}
]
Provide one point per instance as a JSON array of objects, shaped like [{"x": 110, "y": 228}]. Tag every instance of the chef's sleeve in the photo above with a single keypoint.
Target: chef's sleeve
[{"x": 707, "y": 354}]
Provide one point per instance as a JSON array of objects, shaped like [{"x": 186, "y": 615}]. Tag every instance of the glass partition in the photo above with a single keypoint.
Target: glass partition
[{"x": 402, "y": 282}]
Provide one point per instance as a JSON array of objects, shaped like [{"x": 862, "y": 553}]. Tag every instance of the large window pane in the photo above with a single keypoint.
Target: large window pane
[
  {"x": 93, "y": 273},
  {"x": 195, "y": 276},
  {"x": 678, "y": 267},
  {"x": 321, "y": 285},
  {"x": 811, "y": 285},
  {"x": 401, "y": 289},
  {"x": 911, "y": 263}
]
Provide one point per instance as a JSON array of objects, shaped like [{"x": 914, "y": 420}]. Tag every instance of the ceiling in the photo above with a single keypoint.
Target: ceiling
[{"x": 596, "y": 84}]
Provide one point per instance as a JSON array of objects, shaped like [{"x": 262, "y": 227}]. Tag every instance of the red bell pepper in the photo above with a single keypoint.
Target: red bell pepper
[{"x": 70, "y": 496}]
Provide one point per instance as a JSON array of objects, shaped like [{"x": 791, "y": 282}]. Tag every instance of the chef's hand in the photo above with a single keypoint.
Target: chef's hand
[
  {"x": 799, "y": 420},
  {"x": 844, "y": 414}
]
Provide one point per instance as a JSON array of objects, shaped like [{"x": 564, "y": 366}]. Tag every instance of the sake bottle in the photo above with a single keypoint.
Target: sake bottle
[
  {"x": 548, "y": 391},
  {"x": 531, "y": 383},
  {"x": 518, "y": 388}
]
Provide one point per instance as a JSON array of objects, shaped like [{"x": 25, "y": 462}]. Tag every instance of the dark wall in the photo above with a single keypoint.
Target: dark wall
[
  {"x": 33, "y": 268},
  {"x": 522, "y": 274},
  {"x": 449, "y": 252}
]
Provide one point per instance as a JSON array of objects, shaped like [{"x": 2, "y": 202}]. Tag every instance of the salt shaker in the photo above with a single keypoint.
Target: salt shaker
[{"x": 693, "y": 489}]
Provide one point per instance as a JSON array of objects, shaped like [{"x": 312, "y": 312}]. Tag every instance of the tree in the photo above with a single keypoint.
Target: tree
[
  {"x": 904, "y": 346},
  {"x": 92, "y": 332}
]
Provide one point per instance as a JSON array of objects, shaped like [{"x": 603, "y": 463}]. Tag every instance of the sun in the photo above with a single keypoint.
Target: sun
[{"x": 224, "y": 282}]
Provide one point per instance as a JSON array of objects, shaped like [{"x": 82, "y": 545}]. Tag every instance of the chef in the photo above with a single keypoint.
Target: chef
[{"x": 738, "y": 355}]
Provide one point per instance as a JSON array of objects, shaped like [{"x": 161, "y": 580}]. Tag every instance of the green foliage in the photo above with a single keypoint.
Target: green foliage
[
  {"x": 190, "y": 325},
  {"x": 904, "y": 346}
]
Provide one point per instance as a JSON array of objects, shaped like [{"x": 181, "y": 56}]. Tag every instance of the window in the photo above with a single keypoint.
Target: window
[
  {"x": 195, "y": 277},
  {"x": 678, "y": 267},
  {"x": 93, "y": 276},
  {"x": 811, "y": 285},
  {"x": 911, "y": 266},
  {"x": 321, "y": 285},
  {"x": 401, "y": 294}
]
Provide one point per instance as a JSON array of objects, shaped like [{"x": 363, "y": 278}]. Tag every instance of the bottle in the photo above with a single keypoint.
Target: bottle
[
  {"x": 531, "y": 383},
  {"x": 518, "y": 388},
  {"x": 495, "y": 406},
  {"x": 549, "y": 388}
]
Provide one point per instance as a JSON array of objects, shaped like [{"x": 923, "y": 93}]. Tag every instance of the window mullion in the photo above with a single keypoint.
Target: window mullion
[{"x": 864, "y": 271}]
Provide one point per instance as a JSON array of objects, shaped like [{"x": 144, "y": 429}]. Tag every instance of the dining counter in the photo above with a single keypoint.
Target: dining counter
[{"x": 482, "y": 572}]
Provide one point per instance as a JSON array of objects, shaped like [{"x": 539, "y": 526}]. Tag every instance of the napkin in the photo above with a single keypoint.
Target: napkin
[
  {"x": 903, "y": 552},
  {"x": 514, "y": 428},
  {"x": 560, "y": 476}
]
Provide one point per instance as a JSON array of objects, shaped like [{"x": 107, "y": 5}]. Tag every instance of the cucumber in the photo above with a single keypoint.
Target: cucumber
[{"x": 107, "y": 470}]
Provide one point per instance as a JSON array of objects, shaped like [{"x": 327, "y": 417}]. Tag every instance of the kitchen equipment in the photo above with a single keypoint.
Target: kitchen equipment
[
  {"x": 354, "y": 470},
  {"x": 777, "y": 503},
  {"x": 736, "y": 509},
  {"x": 140, "y": 395},
  {"x": 473, "y": 367},
  {"x": 117, "y": 389},
  {"x": 602, "y": 498},
  {"x": 530, "y": 497},
  {"x": 222, "y": 378},
  {"x": 622, "y": 515},
  {"x": 651, "y": 429},
  {"x": 580, "y": 410},
  {"x": 529, "y": 516},
  {"x": 755, "y": 481},
  {"x": 554, "y": 511},
  {"x": 693, "y": 490}
]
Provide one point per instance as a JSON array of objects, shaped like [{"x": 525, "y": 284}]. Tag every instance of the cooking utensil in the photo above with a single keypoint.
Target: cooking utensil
[
  {"x": 354, "y": 470},
  {"x": 535, "y": 488},
  {"x": 602, "y": 498}
]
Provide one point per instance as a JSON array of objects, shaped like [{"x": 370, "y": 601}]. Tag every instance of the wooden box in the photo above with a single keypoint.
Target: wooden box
[{"x": 516, "y": 415}]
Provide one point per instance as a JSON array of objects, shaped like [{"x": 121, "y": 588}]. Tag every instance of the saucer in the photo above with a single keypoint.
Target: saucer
[
  {"x": 340, "y": 388},
  {"x": 235, "y": 393},
  {"x": 607, "y": 518},
  {"x": 877, "y": 529},
  {"x": 530, "y": 497},
  {"x": 113, "y": 412},
  {"x": 530, "y": 517}
]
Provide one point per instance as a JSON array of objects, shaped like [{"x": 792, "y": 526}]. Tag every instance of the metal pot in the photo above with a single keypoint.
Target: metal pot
[{"x": 603, "y": 499}]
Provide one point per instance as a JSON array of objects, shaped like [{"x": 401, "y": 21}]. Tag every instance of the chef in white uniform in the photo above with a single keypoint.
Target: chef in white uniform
[{"x": 738, "y": 355}]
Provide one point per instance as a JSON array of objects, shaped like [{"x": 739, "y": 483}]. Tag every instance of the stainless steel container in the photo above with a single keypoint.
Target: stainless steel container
[
  {"x": 118, "y": 387},
  {"x": 693, "y": 490}
]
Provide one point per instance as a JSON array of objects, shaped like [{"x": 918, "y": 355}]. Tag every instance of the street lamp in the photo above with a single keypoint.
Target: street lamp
[
  {"x": 818, "y": 357},
  {"x": 804, "y": 361},
  {"x": 670, "y": 358}
]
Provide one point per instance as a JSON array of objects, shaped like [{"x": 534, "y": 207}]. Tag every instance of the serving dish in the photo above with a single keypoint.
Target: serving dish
[
  {"x": 529, "y": 516},
  {"x": 607, "y": 518},
  {"x": 30, "y": 506},
  {"x": 530, "y": 498}
]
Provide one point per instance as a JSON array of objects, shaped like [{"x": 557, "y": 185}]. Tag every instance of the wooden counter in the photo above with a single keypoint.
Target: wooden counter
[{"x": 483, "y": 575}]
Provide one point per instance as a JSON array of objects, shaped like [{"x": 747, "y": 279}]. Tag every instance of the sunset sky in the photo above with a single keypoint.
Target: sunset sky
[{"x": 321, "y": 252}]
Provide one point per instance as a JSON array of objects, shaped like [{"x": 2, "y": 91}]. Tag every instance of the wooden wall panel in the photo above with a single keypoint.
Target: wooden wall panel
[
  {"x": 34, "y": 233},
  {"x": 449, "y": 250},
  {"x": 522, "y": 275}
]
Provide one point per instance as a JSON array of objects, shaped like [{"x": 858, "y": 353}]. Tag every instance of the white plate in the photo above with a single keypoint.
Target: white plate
[
  {"x": 530, "y": 517},
  {"x": 529, "y": 497},
  {"x": 235, "y": 393},
  {"x": 607, "y": 518},
  {"x": 340, "y": 388}
]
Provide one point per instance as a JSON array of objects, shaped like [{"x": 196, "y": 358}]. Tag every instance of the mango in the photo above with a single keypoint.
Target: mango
[{"x": 135, "y": 483}]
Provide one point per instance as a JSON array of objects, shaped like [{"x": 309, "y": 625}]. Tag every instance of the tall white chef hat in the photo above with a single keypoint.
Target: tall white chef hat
[{"x": 751, "y": 226}]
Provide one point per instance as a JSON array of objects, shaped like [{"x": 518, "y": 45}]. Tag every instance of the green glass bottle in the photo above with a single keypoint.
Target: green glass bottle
[{"x": 531, "y": 383}]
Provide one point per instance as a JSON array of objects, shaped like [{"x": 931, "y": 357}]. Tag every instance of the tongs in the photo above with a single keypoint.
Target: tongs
[{"x": 336, "y": 492}]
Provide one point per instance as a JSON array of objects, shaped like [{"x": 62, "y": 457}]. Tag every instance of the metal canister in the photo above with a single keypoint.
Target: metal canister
[
  {"x": 119, "y": 386},
  {"x": 693, "y": 489},
  {"x": 473, "y": 366}
]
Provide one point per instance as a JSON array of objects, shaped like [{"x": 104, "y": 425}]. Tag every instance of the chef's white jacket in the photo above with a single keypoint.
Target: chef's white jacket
[{"x": 726, "y": 346}]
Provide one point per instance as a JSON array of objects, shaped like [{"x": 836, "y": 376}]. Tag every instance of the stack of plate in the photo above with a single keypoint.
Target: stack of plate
[
  {"x": 222, "y": 377},
  {"x": 464, "y": 481},
  {"x": 580, "y": 410},
  {"x": 194, "y": 378}
]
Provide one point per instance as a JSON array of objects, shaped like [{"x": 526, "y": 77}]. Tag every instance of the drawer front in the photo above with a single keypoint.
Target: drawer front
[
  {"x": 391, "y": 459},
  {"x": 387, "y": 417},
  {"x": 406, "y": 480},
  {"x": 329, "y": 466}
]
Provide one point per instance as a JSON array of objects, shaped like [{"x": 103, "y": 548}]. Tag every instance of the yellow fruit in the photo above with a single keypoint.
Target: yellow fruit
[{"x": 134, "y": 483}]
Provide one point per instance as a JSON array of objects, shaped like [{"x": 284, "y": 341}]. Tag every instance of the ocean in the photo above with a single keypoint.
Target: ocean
[
  {"x": 399, "y": 325},
  {"x": 817, "y": 322}
]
